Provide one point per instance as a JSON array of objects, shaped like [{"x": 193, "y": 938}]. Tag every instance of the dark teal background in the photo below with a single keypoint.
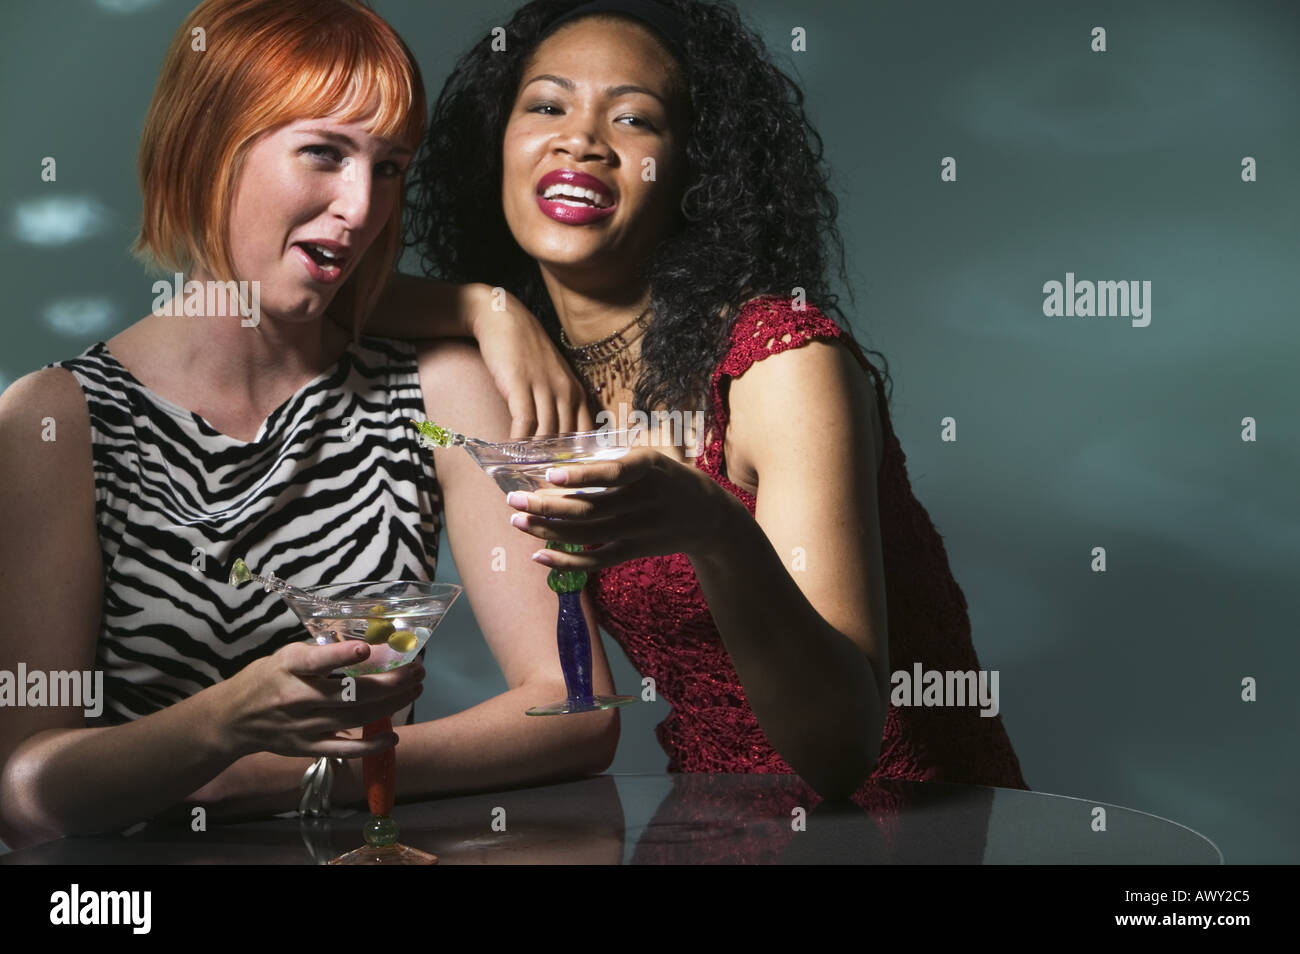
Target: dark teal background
[{"x": 1119, "y": 687}]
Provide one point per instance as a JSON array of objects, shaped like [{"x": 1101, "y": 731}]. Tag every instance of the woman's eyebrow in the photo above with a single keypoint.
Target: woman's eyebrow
[
  {"x": 609, "y": 91},
  {"x": 393, "y": 147}
]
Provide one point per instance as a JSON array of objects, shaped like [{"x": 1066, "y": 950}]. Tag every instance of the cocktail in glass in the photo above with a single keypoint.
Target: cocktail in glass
[
  {"x": 522, "y": 465},
  {"x": 396, "y": 618}
]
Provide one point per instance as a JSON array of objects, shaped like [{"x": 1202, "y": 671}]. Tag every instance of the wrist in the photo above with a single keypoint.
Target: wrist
[
  {"x": 217, "y": 721},
  {"x": 473, "y": 300},
  {"x": 723, "y": 520}
]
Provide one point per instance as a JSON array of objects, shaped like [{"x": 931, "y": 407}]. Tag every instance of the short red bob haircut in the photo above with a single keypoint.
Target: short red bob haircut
[{"x": 237, "y": 69}]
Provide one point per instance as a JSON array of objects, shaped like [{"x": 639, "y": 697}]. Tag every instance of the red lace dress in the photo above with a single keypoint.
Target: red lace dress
[{"x": 655, "y": 609}]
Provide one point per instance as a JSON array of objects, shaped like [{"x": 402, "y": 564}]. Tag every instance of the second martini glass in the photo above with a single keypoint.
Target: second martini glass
[
  {"x": 522, "y": 465},
  {"x": 396, "y": 618}
]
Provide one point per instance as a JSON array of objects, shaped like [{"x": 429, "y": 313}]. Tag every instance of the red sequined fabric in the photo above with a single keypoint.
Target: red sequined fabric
[{"x": 655, "y": 609}]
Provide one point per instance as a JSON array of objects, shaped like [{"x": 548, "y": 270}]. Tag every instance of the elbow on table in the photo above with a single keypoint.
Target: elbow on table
[
  {"x": 600, "y": 744},
  {"x": 839, "y": 787},
  {"x": 22, "y": 823},
  {"x": 837, "y": 777}
]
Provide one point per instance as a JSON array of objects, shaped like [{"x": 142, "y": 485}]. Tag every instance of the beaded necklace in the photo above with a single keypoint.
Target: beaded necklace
[{"x": 602, "y": 363}]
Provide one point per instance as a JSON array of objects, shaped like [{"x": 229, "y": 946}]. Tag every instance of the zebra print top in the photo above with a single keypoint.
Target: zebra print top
[{"x": 332, "y": 489}]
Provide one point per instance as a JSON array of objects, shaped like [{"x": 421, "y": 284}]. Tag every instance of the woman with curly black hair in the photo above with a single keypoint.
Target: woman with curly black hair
[{"x": 645, "y": 180}]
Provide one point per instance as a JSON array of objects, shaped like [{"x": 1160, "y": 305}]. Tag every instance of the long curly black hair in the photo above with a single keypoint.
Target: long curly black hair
[{"x": 758, "y": 216}]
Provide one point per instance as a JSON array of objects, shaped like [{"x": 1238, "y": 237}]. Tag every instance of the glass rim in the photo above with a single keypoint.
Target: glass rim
[
  {"x": 325, "y": 592},
  {"x": 598, "y": 432}
]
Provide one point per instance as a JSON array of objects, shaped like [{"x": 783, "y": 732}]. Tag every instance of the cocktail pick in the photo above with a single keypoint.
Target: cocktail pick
[
  {"x": 432, "y": 435},
  {"x": 241, "y": 574}
]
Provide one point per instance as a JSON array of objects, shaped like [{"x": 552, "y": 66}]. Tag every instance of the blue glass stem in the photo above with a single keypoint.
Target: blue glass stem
[{"x": 575, "y": 649}]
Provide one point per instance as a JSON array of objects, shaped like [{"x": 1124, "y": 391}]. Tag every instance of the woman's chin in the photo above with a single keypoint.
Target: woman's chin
[
  {"x": 580, "y": 266},
  {"x": 297, "y": 310}
]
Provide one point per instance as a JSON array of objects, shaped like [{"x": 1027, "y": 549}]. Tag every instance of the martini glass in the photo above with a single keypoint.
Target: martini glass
[
  {"x": 396, "y": 618},
  {"x": 522, "y": 465}
]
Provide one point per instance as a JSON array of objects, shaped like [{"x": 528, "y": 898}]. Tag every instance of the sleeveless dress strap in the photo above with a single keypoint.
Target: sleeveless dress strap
[{"x": 770, "y": 325}]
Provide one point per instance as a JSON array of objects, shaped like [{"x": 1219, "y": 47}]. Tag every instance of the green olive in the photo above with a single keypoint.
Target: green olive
[
  {"x": 378, "y": 630},
  {"x": 402, "y": 641}
]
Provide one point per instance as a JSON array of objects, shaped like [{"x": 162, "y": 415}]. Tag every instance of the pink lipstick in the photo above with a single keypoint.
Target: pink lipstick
[{"x": 575, "y": 198}]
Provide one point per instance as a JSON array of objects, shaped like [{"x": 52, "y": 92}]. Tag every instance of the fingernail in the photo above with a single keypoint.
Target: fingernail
[
  {"x": 556, "y": 476},
  {"x": 519, "y": 521},
  {"x": 518, "y": 500},
  {"x": 542, "y": 557}
]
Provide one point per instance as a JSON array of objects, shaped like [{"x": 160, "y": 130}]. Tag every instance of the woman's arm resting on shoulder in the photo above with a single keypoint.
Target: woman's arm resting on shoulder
[{"x": 540, "y": 389}]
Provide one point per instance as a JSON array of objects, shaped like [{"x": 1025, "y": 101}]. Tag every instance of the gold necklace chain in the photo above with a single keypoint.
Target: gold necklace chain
[{"x": 603, "y": 362}]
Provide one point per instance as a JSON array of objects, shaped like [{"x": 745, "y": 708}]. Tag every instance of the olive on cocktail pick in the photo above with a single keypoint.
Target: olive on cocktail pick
[
  {"x": 432, "y": 435},
  {"x": 240, "y": 573}
]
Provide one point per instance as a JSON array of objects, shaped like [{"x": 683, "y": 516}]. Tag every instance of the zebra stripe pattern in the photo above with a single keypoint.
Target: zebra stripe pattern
[{"x": 333, "y": 489}]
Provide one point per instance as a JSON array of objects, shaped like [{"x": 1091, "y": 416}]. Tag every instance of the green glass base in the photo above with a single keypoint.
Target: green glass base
[{"x": 567, "y": 706}]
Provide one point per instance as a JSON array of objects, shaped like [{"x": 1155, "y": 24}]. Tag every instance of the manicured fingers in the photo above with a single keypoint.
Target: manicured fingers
[
  {"x": 608, "y": 473},
  {"x": 610, "y": 554},
  {"x": 344, "y": 748},
  {"x": 346, "y": 715},
  {"x": 375, "y": 687},
  {"x": 308, "y": 659},
  {"x": 582, "y": 507},
  {"x": 326, "y": 697},
  {"x": 573, "y": 531}
]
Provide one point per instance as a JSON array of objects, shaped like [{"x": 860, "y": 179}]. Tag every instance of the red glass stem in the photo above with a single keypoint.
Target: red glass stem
[{"x": 380, "y": 771}]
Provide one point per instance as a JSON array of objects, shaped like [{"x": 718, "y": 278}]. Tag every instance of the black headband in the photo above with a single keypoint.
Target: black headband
[{"x": 659, "y": 18}]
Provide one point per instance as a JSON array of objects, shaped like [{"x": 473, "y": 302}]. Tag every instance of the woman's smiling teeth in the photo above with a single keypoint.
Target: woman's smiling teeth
[
  {"x": 573, "y": 195},
  {"x": 321, "y": 255}
]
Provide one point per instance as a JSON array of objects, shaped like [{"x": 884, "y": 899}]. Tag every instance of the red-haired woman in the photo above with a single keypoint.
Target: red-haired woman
[{"x": 252, "y": 420}]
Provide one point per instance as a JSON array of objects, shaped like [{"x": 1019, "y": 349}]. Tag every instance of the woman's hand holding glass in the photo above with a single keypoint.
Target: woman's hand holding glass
[
  {"x": 654, "y": 505},
  {"x": 288, "y": 704}
]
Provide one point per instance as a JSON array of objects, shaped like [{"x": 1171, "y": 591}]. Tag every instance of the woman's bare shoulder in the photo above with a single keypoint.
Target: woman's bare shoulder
[
  {"x": 815, "y": 392},
  {"x": 49, "y": 392},
  {"x": 47, "y": 508},
  {"x": 459, "y": 391},
  {"x": 450, "y": 365},
  {"x": 45, "y": 431}
]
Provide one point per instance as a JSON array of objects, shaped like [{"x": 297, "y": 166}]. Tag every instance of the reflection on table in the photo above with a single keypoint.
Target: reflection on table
[{"x": 686, "y": 819}]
